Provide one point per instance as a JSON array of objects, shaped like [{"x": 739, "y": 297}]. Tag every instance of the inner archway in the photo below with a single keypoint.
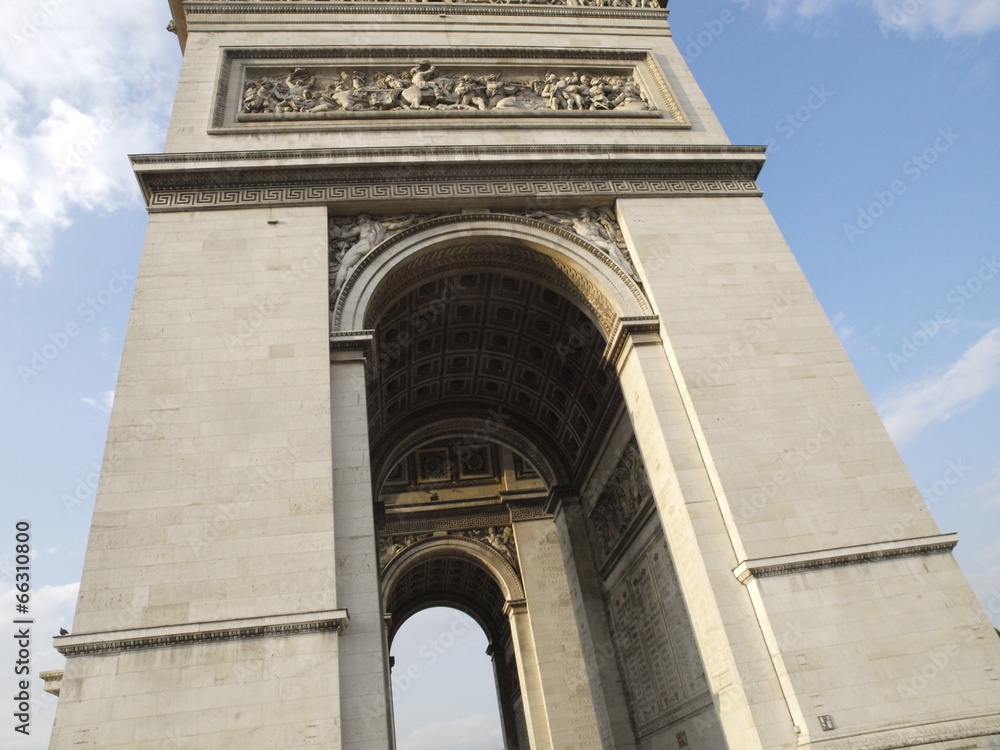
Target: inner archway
[{"x": 443, "y": 688}]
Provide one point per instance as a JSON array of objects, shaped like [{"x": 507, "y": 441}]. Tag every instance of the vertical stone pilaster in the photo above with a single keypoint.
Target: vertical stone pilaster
[
  {"x": 571, "y": 716},
  {"x": 751, "y": 707},
  {"x": 595, "y": 638},
  {"x": 532, "y": 697},
  {"x": 365, "y": 711}
]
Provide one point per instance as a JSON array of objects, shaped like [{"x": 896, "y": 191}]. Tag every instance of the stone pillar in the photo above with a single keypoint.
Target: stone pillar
[
  {"x": 591, "y": 621},
  {"x": 532, "y": 700},
  {"x": 561, "y": 669},
  {"x": 365, "y": 712},
  {"x": 752, "y": 709}
]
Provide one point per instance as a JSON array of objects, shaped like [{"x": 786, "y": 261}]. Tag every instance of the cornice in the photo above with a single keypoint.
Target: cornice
[
  {"x": 837, "y": 557},
  {"x": 395, "y": 7},
  {"x": 627, "y": 328},
  {"x": 205, "y": 632},
  {"x": 184, "y": 182}
]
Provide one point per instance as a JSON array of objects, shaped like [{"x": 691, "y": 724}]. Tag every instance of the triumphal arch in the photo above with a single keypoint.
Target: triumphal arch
[{"x": 474, "y": 304}]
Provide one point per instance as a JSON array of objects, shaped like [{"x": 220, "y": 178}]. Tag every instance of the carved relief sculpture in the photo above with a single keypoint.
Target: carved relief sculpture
[
  {"x": 626, "y": 493},
  {"x": 501, "y": 540},
  {"x": 352, "y": 238},
  {"x": 424, "y": 87}
]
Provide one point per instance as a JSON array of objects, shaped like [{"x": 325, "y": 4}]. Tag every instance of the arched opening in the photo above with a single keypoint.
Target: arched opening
[
  {"x": 444, "y": 692},
  {"x": 492, "y": 394},
  {"x": 473, "y": 580}
]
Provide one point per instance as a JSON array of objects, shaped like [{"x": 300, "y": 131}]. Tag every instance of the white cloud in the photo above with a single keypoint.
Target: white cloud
[
  {"x": 83, "y": 85},
  {"x": 990, "y": 490},
  {"x": 917, "y": 405},
  {"x": 947, "y": 18},
  {"x": 470, "y": 733},
  {"x": 104, "y": 405}
]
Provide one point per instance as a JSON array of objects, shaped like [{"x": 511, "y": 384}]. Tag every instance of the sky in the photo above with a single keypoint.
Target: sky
[{"x": 880, "y": 117}]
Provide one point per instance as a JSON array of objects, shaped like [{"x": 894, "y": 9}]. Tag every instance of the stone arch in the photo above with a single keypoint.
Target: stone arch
[
  {"x": 445, "y": 429},
  {"x": 471, "y": 551},
  {"x": 548, "y": 252}
]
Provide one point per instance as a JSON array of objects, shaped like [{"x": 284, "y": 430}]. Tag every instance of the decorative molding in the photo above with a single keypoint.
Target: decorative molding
[
  {"x": 624, "y": 331},
  {"x": 52, "y": 680},
  {"x": 509, "y": 257},
  {"x": 570, "y": 280},
  {"x": 196, "y": 633},
  {"x": 529, "y": 512},
  {"x": 203, "y": 159},
  {"x": 913, "y": 735},
  {"x": 837, "y": 557},
  {"x": 401, "y": 7},
  {"x": 272, "y": 5},
  {"x": 391, "y": 545},
  {"x": 429, "y": 524},
  {"x": 237, "y": 63},
  {"x": 208, "y": 198}
]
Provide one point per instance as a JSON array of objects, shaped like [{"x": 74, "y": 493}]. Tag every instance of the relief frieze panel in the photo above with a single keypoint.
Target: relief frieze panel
[
  {"x": 625, "y": 495},
  {"x": 304, "y": 93},
  {"x": 499, "y": 538}
]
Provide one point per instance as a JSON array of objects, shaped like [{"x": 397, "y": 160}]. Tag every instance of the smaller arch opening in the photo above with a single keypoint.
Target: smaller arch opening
[{"x": 445, "y": 689}]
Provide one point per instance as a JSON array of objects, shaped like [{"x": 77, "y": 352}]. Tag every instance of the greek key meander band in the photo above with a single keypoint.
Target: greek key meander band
[
  {"x": 100, "y": 643},
  {"x": 184, "y": 200}
]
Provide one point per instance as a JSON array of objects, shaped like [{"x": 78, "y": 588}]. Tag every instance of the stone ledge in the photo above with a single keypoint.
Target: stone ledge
[
  {"x": 762, "y": 567},
  {"x": 201, "y": 632},
  {"x": 981, "y": 726}
]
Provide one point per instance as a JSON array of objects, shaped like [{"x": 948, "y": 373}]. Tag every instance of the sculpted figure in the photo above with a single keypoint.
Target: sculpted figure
[
  {"x": 471, "y": 93},
  {"x": 368, "y": 232},
  {"x": 595, "y": 227},
  {"x": 389, "y": 549}
]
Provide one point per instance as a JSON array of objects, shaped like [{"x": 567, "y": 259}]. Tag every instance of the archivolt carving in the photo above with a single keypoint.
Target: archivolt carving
[
  {"x": 303, "y": 93},
  {"x": 356, "y": 242},
  {"x": 500, "y": 539},
  {"x": 489, "y": 557}
]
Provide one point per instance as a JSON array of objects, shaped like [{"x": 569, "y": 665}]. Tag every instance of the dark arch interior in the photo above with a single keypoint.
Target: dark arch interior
[{"x": 490, "y": 345}]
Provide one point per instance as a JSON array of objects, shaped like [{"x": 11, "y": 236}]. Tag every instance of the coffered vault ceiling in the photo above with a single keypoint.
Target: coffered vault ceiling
[{"x": 505, "y": 348}]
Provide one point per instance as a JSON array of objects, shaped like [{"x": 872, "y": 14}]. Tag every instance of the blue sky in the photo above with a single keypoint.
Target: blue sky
[{"x": 881, "y": 119}]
